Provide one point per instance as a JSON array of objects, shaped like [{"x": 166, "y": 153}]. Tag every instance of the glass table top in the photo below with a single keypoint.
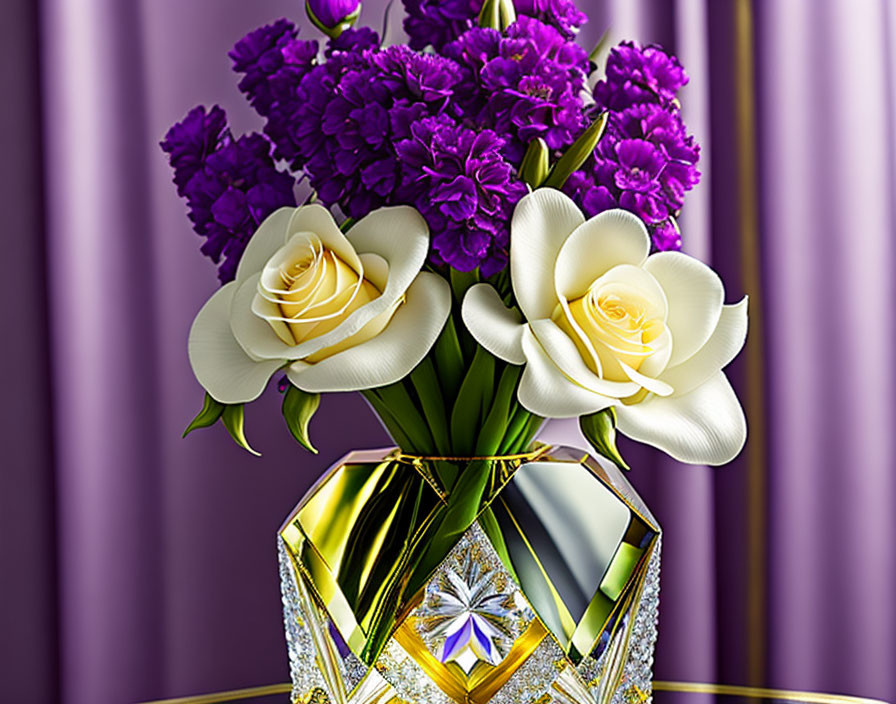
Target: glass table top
[{"x": 663, "y": 693}]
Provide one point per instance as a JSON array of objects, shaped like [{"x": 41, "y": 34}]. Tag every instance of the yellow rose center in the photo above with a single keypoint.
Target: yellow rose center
[
  {"x": 612, "y": 323},
  {"x": 318, "y": 291}
]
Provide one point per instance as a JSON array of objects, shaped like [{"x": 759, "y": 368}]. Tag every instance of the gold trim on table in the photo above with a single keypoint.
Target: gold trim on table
[
  {"x": 659, "y": 686},
  {"x": 761, "y": 693}
]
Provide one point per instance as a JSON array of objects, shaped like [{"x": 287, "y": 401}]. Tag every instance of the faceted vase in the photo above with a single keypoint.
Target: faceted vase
[{"x": 546, "y": 592}]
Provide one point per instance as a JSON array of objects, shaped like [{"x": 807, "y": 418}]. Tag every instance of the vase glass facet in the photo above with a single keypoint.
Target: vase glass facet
[{"x": 546, "y": 592}]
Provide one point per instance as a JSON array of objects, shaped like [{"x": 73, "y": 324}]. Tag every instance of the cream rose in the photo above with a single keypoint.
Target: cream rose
[
  {"x": 340, "y": 312},
  {"x": 605, "y": 323}
]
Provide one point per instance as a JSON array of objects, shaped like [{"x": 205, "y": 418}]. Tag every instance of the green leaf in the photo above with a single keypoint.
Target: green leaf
[
  {"x": 496, "y": 421},
  {"x": 489, "y": 524},
  {"x": 232, "y": 418},
  {"x": 533, "y": 425},
  {"x": 467, "y": 411},
  {"x": 426, "y": 384},
  {"x": 409, "y": 417},
  {"x": 600, "y": 430},
  {"x": 461, "y": 281},
  {"x": 536, "y": 163},
  {"x": 515, "y": 427},
  {"x": 449, "y": 360},
  {"x": 487, "y": 389},
  {"x": 594, "y": 56},
  {"x": 207, "y": 417},
  {"x": 298, "y": 409},
  {"x": 347, "y": 224},
  {"x": 388, "y": 419},
  {"x": 577, "y": 153}
]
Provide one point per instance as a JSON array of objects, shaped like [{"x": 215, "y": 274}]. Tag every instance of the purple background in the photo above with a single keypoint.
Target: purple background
[{"x": 137, "y": 565}]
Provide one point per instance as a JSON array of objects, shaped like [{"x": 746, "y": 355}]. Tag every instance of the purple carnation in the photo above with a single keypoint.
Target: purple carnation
[
  {"x": 230, "y": 185},
  {"x": 666, "y": 237},
  {"x": 436, "y": 23},
  {"x": 353, "y": 111},
  {"x": 646, "y": 161},
  {"x": 465, "y": 190},
  {"x": 273, "y": 63},
  {"x": 357, "y": 40},
  {"x": 189, "y": 142},
  {"x": 560, "y": 14},
  {"x": 524, "y": 85},
  {"x": 639, "y": 75}
]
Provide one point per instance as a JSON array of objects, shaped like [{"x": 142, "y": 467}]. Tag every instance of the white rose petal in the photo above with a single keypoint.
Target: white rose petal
[
  {"x": 317, "y": 220},
  {"x": 607, "y": 240},
  {"x": 343, "y": 311},
  {"x": 393, "y": 353},
  {"x": 219, "y": 362},
  {"x": 705, "y": 426},
  {"x": 401, "y": 237},
  {"x": 695, "y": 294},
  {"x": 722, "y": 347},
  {"x": 607, "y": 324},
  {"x": 497, "y": 328},
  {"x": 541, "y": 223},
  {"x": 545, "y": 391},
  {"x": 270, "y": 236},
  {"x": 566, "y": 357}
]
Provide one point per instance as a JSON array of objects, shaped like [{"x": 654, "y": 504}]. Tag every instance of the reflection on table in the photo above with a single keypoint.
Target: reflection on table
[{"x": 663, "y": 693}]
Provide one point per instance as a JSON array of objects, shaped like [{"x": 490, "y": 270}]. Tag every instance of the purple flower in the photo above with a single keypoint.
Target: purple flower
[
  {"x": 191, "y": 141},
  {"x": 273, "y": 63},
  {"x": 438, "y": 22},
  {"x": 640, "y": 164},
  {"x": 357, "y": 40},
  {"x": 561, "y": 14},
  {"x": 465, "y": 190},
  {"x": 353, "y": 110},
  {"x": 666, "y": 237},
  {"x": 646, "y": 161},
  {"x": 230, "y": 185},
  {"x": 332, "y": 13},
  {"x": 637, "y": 75},
  {"x": 524, "y": 85}
]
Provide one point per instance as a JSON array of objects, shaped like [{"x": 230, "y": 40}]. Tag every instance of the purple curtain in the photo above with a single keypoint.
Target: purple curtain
[{"x": 138, "y": 565}]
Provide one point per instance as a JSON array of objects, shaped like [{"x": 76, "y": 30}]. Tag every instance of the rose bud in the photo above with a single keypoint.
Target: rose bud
[{"x": 333, "y": 17}]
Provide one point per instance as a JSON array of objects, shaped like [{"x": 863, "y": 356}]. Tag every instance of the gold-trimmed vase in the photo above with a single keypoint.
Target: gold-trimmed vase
[{"x": 538, "y": 586}]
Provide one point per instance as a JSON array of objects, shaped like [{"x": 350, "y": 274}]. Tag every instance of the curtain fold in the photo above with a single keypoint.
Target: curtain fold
[
  {"x": 158, "y": 553},
  {"x": 28, "y": 623}
]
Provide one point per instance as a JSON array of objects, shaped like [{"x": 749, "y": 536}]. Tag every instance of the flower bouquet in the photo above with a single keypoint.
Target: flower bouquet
[{"x": 489, "y": 240}]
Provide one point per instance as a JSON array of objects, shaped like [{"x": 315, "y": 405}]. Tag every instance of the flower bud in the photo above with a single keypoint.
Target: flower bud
[
  {"x": 577, "y": 153},
  {"x": 333, "y": 17},
  {"x": 497, "y": 14},
  {"x": 536, "y": 163}
]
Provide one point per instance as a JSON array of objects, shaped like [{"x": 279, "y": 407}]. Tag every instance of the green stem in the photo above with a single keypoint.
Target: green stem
[
  {"x": 426, "y": 384},
  {"x": 495, "y": 425},
  {"x": 530, "y": 430},
  {"x": 514, "y": 429},
  {"x": 449, "y": 361},
  {"x": 388, "y": 420},
  {"x": 467, "y": 411}
]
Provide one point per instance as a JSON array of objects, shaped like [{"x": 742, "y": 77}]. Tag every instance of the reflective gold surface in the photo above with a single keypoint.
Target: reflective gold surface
[{"x": 664, "y": 691}]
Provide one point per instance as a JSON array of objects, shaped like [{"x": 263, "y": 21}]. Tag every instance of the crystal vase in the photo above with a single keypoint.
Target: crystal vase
[{"x": 533, "y": 579}]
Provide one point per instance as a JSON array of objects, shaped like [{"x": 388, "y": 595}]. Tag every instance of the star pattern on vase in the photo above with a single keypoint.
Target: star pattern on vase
[{"x": 469, "y": 615}]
